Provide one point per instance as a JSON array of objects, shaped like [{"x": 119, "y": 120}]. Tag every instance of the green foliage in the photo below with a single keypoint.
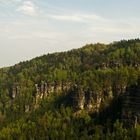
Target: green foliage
[{"x": 106, "y": 69}]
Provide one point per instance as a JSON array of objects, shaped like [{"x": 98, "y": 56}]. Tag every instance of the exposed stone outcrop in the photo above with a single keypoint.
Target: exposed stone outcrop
[
  {"x": 44, "y": 89},
  {"x": 81, "y": 99},
  {"x": 78, "y": 98},
  {"x": 89, "y": 100},
  {"x": 15, "y": 91},
  {"x": 108, "y": 92},
  {"x": 131, "y": 106}
]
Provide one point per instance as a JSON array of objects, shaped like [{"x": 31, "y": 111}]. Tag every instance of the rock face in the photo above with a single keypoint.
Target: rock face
[
  {"x": 131, "y": 106},
  {"x": 91, "y": 100},
  {"x": 78, "y": 98},
  {"x": 88, "y": 100},
  {"x": 44, "y": 89},
  {"x": 15, "y": 91},
  {"x": 81, "y": 98}
]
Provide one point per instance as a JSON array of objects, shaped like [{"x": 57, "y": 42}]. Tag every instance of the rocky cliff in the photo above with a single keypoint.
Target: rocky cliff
[{"x": 131, "y": 105}]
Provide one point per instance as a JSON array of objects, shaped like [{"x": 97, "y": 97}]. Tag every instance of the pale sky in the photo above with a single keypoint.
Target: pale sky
[{"x": 30, "y": 28}]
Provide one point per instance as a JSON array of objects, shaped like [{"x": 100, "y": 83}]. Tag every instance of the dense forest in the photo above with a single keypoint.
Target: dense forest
[{"x": 88, "y": 93}]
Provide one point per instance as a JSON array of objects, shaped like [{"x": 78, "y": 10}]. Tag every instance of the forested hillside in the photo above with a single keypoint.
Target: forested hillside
[{"x": 88, "y": 93}]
